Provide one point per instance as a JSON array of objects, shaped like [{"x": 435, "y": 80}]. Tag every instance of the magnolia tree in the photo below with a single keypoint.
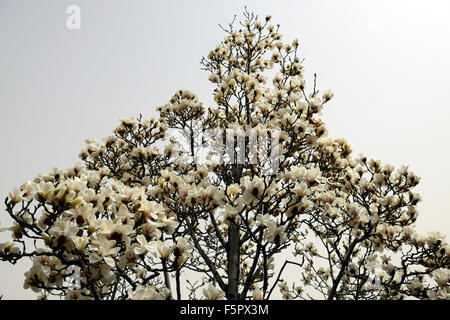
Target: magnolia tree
[{"x": 217, "y": 202}]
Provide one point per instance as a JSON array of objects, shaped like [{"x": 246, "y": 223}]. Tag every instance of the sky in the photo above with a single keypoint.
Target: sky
[{"x": 386, "y": 61}]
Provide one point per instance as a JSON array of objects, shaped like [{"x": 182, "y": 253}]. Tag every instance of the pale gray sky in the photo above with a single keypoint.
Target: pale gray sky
[{"x": 386, "y": 61}]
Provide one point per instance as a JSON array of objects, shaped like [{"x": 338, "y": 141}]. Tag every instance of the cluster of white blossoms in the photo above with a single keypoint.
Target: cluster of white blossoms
[
  {"x": 129, "y": 153},
  {"x": 442, "y": 278},
  {"x": 142, "y": 214},
  {"x": 183, "y": 106},
  {"x": 101, "y": 226}
]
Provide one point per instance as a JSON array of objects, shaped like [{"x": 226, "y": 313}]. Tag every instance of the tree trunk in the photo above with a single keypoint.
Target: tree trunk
[{"x": 233, "y": 262}]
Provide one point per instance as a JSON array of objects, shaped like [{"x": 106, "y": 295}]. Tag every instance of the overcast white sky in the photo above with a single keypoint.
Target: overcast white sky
[{"x": 386, "y": 61}]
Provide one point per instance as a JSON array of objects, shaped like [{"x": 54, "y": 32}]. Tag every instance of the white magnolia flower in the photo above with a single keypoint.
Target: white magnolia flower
[
  {"x": 123, "y": 213},
  {"x": 183, "y": 250},
  {"x": 441, "y": 294},
  {"x": 297, "y": 173},
  {"x": 83, "y": 213},
  {"x": 28, "y": 190},
  {"x": 146, "y": 293},
  {"x": 8, "y": 247},
  {"x": 16, "y": 195},
  {"x": 327, "y": 95},
  {"x": 150, "y": 210},
  {"x": 433, "y": 237},
  {"x": 151, "y": 230},
  {"x": 104, "y": 249},
  {"x": 275, "y": 235},
  {"x": 80, "y": 243},
  {"x": 213, "y": 293},
  {"x": 169, "y": 224},
  {"x": 44, "y": 191},
  {"x": 107, "y": 275},
  {"x": 230, "y": 214},
  {"x": 442, "y": 277},
  {"x": 233, "y": 189},
  {"x": 77, "y": 295},
  {"x": 257, "y": 293},
  {"x": 265, "y": 221},
  {"x": 116, "y": 231},
  {"x": 164, "y": 248},
  {"x": 254, "y": 189},
  {"x": 35, "y": 276},
  {"x": 143, "y": 246},
  {"x": 300, "y": 189},
  {"x": 63, "y": 231}
]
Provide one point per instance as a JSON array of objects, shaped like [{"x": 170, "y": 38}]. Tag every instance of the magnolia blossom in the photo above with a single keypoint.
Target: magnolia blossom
[
  {"x": 254, "y": 189},
  {"x": 183, "y": 251},
  {"x": 328, "y": 95},
  {"x": 43, "y": 191},
  {"x": 63, "y": 231},
  {"x": 146, "y": 293},
  {"x": 104, "y": 250},
  {"x": 211, "y": 292},
  {"x": 16, "y": 195},
  {"x": 143, "y": 246},
  {"x": 80, "y": 243},
  {"x": 164, "y": 248},
  {"x": 233, "y": 189},
  {"x": 266, "y": 221},
  {"x": 35, "y": 276},
  {"x": 257, "y": 293},
  {"x": 83, "y": 213},
  {"x": 77, "y": 295},
  {"x": 275, "y": 234},
  {"x": 230, "y": 214},
  {"x": 442, "y": 277},
  {"x": 9, "y": 247}
]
